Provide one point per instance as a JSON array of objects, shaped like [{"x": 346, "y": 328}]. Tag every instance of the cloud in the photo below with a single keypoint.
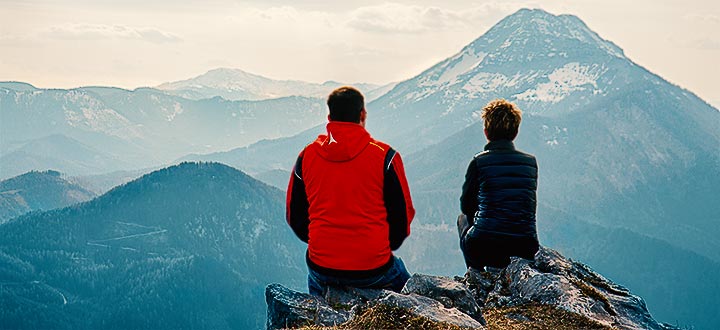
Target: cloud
[
  {"x": 401, "y": 18},
  {"x": 705, "y": 43},
  {"x": 344, "y": 49},
  {"x": 701, "y": 43},
  {"x": 707, "y": 18},
  {"x": 86, "y": 31}
]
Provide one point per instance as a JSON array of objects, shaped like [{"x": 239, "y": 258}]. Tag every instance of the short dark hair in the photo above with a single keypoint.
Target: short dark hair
[
  {"x": 345, "y": 104},
  {"x": 502, "y": 120}
]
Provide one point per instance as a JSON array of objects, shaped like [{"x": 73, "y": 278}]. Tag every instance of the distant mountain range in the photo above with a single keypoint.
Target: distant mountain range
[
  {"x": 235, "y": 84},
  {"x": 38, "y": 191},
  {"x": 621, "y": 151},
  {"x": 102, "y": 183},
  {"x": 124, "y": 130},
  {"x": 189, "y": 246},
  {"x": 58, "y": 152}
]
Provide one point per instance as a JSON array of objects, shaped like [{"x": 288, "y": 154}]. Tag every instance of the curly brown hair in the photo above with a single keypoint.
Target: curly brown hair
[{"x": 502, "y": 120}]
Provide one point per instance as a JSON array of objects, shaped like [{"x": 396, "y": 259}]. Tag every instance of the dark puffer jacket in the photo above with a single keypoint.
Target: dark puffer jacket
[{"x": 499, "y": 193}]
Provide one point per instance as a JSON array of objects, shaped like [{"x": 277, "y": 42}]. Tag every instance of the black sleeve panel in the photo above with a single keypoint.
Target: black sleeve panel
[
  {"x": 394, "y": 203},
  {"x": 298, "y": 206},
  {"x": 468, "y": 199}
]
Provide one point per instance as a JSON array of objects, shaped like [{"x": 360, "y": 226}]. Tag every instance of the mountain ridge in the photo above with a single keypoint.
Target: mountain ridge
[
  {"x": 38, "y": 191},
  {"x": 146, "y": 127},
  {"x": 184, "y": 246},
  {"x": 236, "y": 84}
]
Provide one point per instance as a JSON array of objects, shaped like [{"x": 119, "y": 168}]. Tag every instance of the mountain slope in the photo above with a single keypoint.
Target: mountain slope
[
  {"x": 57, "y": 152},
  {"x": 183, "y": 247},
  {"x": 585, "y": 203},
  {"x": 265, "y": 155},
  {"x": 582, "y": 176},
  {"x": 102, "y": 183},
  {"x": 235, "y": 84},
  {"x": 549, "y": 65},
  {"x": 37, "y": 191}
]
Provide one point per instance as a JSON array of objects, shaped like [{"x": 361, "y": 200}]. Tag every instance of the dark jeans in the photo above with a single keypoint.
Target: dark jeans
[
  {"x": 482, "y": 249},
  {"x": 394, "y": 279}
]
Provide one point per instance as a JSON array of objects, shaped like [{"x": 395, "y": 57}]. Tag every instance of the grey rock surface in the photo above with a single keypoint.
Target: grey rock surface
[
  {"x": 430, "y": 308},
  {"x": 291, "y": 309},
  {"x": 449, "y": 292},
  {"x": 347, "y": 296},
  {"x": 550, "y": 279},
  {"x": 554, "y": 280}
]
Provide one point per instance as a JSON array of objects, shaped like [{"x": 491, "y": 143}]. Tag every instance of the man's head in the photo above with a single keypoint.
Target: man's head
[
  {"x": 502, "y": 120},
  {"x": 347, "y": 104}
]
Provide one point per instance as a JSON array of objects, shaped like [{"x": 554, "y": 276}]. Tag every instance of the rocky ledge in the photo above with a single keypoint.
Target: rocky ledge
[{"x": 551, "y": 292}]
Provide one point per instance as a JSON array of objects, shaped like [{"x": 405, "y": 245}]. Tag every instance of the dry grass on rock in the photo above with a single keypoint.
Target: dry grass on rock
[
  {"x": 538, "y": 317},
  {"x": 527, "y": 317}
]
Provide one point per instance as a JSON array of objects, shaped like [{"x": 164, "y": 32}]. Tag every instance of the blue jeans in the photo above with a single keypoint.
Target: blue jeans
[{"x": 394, "y": 279}]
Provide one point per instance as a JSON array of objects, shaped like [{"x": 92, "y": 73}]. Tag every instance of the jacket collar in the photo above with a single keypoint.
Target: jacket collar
[{"x": 500, "y": 144}]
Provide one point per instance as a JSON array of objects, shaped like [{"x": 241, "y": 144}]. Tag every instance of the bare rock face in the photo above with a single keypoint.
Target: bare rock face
[
  {"x": 550, "y": 280},
  {"x": 447, "y": 291},
  {"x": 291, "y": 309},
  {"x": 430, "y": 308},
  {"x": 555, "y": 280}
]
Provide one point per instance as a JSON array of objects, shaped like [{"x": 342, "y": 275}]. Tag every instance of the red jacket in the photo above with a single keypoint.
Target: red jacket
[{"x": 348, "y": 198}]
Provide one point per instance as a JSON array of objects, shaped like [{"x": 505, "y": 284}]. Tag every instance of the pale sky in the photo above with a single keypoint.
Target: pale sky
[{"x": 133, "y": 43}]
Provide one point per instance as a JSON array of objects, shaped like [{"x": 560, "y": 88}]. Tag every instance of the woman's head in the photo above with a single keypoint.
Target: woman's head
[{"x": 502, "y": 120}]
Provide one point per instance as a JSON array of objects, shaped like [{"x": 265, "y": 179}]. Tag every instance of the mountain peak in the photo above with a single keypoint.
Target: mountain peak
[
  {"x": 17, "y": 86},
  {"x": 236, "y": 84},
  {"x": 532, "y": 55},
  {"x": 38, "y": 190},
  {"x": 533, "y": 30},
  {"x": 230, "y": 73},
  {"x": 203, "y": 172}
]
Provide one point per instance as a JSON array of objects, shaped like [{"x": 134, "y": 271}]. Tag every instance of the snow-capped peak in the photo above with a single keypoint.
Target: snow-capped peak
[
  {"x": 536, "y": 29},
  {"x": 531, "y": 56}
]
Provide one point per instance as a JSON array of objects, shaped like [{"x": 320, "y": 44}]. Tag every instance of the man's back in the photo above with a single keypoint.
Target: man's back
[
  {"x": 349, "y": 200},
  {"x": 344, "y": 179}
]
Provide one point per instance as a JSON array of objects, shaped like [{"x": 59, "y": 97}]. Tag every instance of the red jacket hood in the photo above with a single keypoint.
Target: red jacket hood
[{"x": 342, "y": 142}]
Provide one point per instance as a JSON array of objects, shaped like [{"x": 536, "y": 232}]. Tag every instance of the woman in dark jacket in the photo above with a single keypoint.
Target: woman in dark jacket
[{"x": 498, "y": 199}]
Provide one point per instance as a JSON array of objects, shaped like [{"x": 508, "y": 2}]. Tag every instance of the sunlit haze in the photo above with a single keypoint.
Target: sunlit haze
[{"x": 64, "y": 44}]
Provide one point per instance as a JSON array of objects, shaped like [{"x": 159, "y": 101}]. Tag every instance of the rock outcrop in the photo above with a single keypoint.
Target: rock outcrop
[{"x": 549, "y": 292}]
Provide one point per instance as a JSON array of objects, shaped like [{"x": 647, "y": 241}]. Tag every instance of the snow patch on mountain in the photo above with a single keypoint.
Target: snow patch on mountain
[
  {"x": 459, "y": 65},
  {"x": 563, "y": 81},
  {"x": 554, "y": 136},
  {"x": 485, "y": 82},
  {"x": 169, "y": 110},
  {"x": 86, "y": 112}
]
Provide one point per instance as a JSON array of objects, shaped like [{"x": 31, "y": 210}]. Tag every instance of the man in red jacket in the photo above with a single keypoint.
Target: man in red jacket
[{"x": 348, "y": 198}]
